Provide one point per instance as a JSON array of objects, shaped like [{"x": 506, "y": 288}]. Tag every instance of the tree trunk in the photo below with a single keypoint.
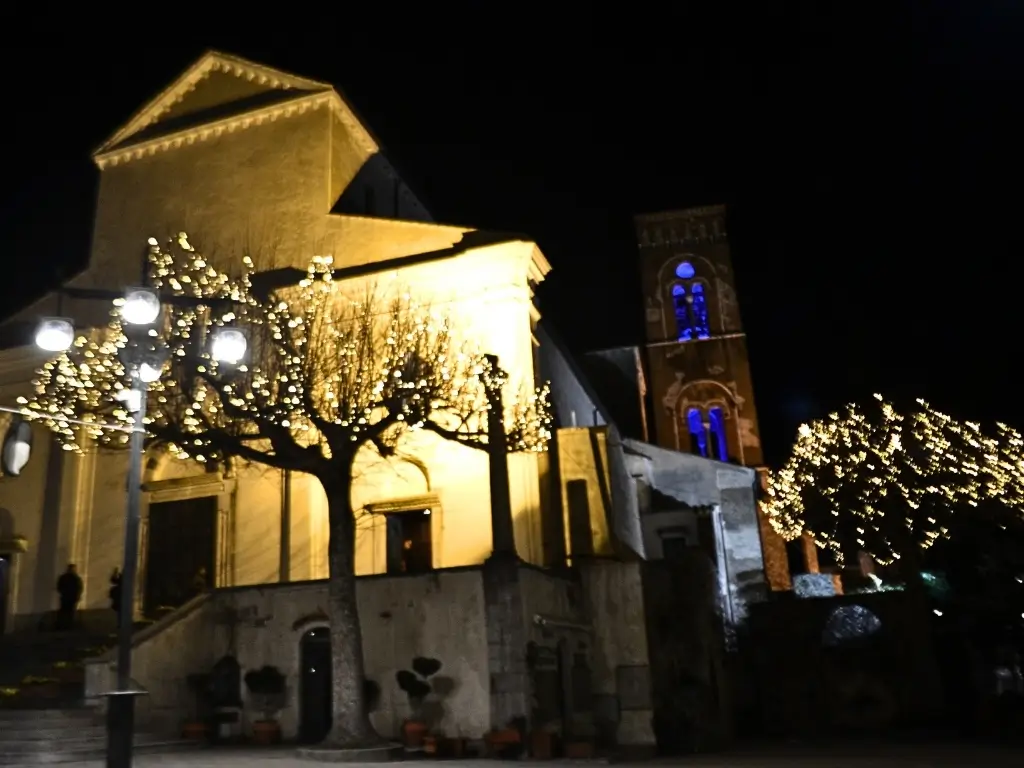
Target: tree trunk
[{"x": 351, "y": 724}]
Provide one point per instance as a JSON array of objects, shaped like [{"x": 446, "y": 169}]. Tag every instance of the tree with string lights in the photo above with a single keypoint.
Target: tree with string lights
[
  {"x": 327, "y": 377},
  {"x": 874, "y": 480}
]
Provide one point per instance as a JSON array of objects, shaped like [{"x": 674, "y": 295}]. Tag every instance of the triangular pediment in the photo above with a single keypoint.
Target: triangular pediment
[{"x": 216, "y": 84}]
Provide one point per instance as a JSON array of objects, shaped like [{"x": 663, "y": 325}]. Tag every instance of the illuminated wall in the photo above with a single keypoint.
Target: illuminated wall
[{"x": 247, "y": 159}]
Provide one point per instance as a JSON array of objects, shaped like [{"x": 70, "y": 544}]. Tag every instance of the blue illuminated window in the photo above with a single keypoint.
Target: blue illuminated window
[
  {"x": 698, "y": 434},
  {"x": 682, "y": 309},
  {"x": 700, "y": 312},
  {"x": 719, "y": 446},
  {"x": 685, "y": 270}
]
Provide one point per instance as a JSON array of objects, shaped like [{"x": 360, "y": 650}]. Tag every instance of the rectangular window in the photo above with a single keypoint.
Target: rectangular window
[{"x": 409, "y": 542}]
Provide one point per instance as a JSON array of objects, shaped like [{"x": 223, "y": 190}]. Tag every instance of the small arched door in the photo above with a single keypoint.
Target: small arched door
[{"x": 315, "y": 710}]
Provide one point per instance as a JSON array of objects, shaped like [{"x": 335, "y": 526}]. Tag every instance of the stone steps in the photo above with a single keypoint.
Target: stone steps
[{"x": 37, "y": 736}]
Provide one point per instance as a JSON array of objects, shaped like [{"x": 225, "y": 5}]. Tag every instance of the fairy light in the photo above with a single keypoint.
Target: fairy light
[
  {"x": 873, "y": 479},
  {"x": 323, "y": 370}
]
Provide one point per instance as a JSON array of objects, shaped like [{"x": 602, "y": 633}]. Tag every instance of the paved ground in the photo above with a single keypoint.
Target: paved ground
[{"x": 928, "y": 756}]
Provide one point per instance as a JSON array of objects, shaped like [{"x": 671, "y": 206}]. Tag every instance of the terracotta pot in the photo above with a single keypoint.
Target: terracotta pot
[
  {"x": 430, "y": 745},
  {"x": 540, "y": 745},
  {"x": 413, "y": 733},
  {"x": 502, "y": 741},
  {"x": 266, "y": 732},
  {"x": 195, "y": 731},
  {"x": 455, "y": 747}
]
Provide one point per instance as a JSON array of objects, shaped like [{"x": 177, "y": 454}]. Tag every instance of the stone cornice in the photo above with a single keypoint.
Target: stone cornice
[
  {"x": 200, "y": 133},
  {"x": 210, "y": 62},
  {"x": 687, "y": 213},
  {"x": 539, "y": 265}
]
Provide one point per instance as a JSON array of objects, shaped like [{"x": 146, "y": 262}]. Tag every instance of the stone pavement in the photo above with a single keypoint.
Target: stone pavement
[{"x": 854, "y": 756}]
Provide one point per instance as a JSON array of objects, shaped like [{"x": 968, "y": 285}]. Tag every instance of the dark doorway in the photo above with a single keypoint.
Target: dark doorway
[
  {"x": 5, "y": 586},
  {"x": 409, "y": 543},
  {"x": 581, "y": 536},
  {"x": 315, "y": 710},
  {"x": 180, "y": 551}
]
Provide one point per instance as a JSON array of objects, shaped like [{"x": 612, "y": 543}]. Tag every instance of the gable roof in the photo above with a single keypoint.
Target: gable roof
[{"x": 240, "y": 82}]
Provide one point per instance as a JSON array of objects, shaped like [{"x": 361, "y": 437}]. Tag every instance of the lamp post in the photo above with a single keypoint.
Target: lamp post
[{"x": 145, "y": 356}]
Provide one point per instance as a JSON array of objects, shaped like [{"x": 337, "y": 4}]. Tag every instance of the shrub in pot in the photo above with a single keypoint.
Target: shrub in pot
[
  {"x": 416, "y": 684},
  {"x": 267, "y": 687}
]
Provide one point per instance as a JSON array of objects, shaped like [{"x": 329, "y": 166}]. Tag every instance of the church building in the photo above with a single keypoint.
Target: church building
[{"x": 247, "y": 159}]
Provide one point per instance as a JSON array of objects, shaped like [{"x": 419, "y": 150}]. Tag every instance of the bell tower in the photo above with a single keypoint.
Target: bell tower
[
  {"x": 696, "y": 351},
  {"x": 699, "y": 373}
]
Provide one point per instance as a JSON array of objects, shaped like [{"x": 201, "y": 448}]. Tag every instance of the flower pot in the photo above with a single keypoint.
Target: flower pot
[
  {"x": 195, "y": 730},
  {"x": 413, "y": 733},
  {"x": 266, "y": 732},
  {"x": 504, "y": 742},
  {"x": 541, "y": 745},
  {"x": 430, "y": 745},
  {"x": 455, "y": 747}
]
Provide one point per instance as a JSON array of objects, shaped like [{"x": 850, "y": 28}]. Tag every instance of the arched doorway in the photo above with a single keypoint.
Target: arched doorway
[{"x": 315, "y": 710}]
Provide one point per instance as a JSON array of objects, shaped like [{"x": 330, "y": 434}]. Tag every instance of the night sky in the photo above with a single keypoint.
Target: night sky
[{"x": 872, "y": 167}]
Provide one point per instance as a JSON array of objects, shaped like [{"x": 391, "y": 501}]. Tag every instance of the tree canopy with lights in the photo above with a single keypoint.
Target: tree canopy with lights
[
  {"x": 872, "y": 479},
  {"x": 328, "y": 375}
]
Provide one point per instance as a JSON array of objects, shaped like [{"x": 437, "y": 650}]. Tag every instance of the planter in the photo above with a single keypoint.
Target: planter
[
  {"x": 541, "y": 743},
  {"x": 41, "y": 690},
  {"x": 579, "y": 750},
  {"x": 413, "y": 733},
  {"x": 266, "y": 732},
  {"x": 506, "y": 742},
  {"x": 455, "y": 747},
  {"x": 195, "y": 731},
  {"x": 430, "y": 745}
]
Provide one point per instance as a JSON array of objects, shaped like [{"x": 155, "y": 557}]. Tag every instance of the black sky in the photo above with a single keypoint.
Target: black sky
[{"x": 871, "y": 163}]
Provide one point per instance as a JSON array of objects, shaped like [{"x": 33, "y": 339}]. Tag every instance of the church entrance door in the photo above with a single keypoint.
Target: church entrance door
[
  {"x": 316, "y": 705},
  {"x": 181, "y": 552}
]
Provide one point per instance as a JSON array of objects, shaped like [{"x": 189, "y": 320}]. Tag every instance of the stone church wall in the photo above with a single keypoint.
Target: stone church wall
[{"x": 440, "y": 615}]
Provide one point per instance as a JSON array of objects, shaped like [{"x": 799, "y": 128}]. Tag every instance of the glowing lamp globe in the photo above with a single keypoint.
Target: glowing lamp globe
[
  {"x": 151, "y": 364},
  {"x": 17, "y": 447},
  {"x": 228, "y": 345},
  {"x": 55, "y": 334},
  {"x": 149, "y": 373},
  {"x": 141, "y": 306}
]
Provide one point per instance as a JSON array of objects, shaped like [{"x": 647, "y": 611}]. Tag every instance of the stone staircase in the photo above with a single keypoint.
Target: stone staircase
[
  {"x": 36, "y": 736},
  {"x": 40, "y": 670}
]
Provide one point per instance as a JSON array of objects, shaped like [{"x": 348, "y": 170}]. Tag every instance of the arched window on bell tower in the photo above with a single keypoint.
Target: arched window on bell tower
[
  {"x": 716, "y": 431},
  {"x": 698, "y": 432},
  {"x": 690, "y": 304},
  {"x": 684, "y": 330},
  {"x": 699, "y": 311}
]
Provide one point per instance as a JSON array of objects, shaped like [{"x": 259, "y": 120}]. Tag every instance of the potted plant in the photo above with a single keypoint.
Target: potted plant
[
  {"x": 198, "y": 728},
  {"x": 417, "y": 687},
  {"x": 267, "y": 686}
]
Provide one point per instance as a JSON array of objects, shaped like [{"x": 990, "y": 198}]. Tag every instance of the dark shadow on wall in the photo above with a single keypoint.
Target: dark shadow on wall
[{"x": 47, "y": 570}]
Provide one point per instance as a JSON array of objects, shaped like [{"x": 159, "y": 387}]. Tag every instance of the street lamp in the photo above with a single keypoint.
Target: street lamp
[
  {"x": 228, "y": 345},
  {"x": 55, "y": 334},
  {"x": 141, "y": 306},
  {"x": 145, "y": 355},
  {"x": 17, "y": 447}
]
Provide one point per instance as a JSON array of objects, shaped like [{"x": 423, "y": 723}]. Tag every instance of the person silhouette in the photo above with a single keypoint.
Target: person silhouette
[{"x": 69, "y": 588}]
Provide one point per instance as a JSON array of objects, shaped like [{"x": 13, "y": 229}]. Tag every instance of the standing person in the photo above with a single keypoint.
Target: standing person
[
  {"x": 115, "y": 593},
  {"x": 69, "y": 587}
]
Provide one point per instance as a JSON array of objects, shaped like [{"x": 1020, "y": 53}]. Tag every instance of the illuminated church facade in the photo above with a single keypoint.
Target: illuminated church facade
[{"x": 245, "y": 158}]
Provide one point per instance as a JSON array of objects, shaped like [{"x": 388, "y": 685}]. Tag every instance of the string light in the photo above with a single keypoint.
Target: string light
[
  {"x": 324, "y": 371},
  {"x": 874, "y": 480}
]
